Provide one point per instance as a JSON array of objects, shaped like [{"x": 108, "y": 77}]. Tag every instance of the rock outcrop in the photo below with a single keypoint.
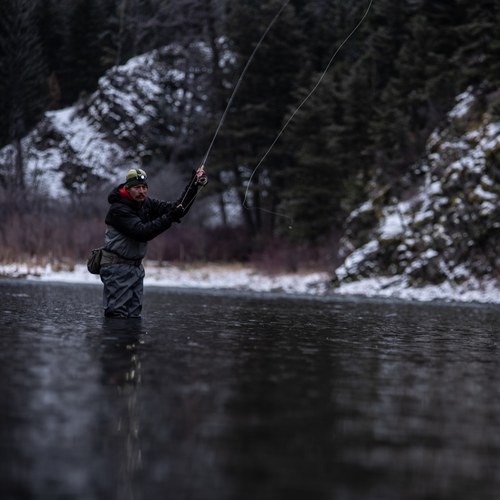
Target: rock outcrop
[
  {"x": 445, "y": 227},
  {"x": 104, "y": 135}
]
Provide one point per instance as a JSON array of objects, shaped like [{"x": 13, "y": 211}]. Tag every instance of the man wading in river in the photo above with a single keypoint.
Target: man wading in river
[{"x": 132, "y": 220}]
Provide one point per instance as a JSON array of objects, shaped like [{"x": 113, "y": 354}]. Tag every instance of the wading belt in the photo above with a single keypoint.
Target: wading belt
[{"x": 108, "y": 259}]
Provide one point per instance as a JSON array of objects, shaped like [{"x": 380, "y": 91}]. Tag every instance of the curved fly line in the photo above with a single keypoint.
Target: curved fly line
[
  {"x": 241, "y": 78},
  {"x": 202, "y": 181},
  {"x": 295, "y": 112}
]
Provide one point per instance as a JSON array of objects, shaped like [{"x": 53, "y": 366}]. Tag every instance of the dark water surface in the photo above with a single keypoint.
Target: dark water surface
[{"x": 226, "y": 395}]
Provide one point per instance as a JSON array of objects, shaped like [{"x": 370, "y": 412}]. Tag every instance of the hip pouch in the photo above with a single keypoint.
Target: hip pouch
[{"x": 94, "y": 262}]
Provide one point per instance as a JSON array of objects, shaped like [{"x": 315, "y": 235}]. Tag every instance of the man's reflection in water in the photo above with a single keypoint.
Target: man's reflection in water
[{"x": 122, "y": 352}]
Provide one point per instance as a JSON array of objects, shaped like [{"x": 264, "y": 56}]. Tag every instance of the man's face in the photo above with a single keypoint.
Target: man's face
[{"x": 138, "y": 192}]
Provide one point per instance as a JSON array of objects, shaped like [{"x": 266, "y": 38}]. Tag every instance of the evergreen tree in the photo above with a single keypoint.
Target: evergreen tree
[
  {"x": 179, "y": 137},
  {"x": 478, "y": 35},
  {"x": 314, "y": 180},
  {"x": 258, "y": 110},
  {"x": 134, "y": 27},
  {"x": 177, "y": 133},
  {"x": 492, "y": 69},
  {"x": 330, "y": 133},
  {"x": 23, "y": 87},
  {"x": 386, "y": 31},
  {"x": 50, "y": 27},
  {"x": 317, "y": 180},
  {"x": 420, "y": 92},
  {"x": 83, "y": 51}
]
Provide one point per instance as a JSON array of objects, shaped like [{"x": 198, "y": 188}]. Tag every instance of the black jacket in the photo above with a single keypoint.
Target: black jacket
[{"x": 131, "y": 224}]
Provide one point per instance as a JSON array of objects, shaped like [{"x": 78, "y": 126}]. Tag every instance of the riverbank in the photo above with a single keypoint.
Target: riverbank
[
  {"x": 240, "y": 277},
  {"x": 232, "y": 276},
  {"x": 472, "y": 290}
]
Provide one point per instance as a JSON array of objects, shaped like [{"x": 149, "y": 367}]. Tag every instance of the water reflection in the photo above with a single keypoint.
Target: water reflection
[
  {"x": 220, "y": 395},
  {"x": 122, "y": 355}
]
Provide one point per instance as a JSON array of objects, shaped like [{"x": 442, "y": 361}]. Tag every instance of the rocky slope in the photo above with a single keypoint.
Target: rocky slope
[
  {"x": 444, "y": 228},
  {"x": 103, "y": 136}
]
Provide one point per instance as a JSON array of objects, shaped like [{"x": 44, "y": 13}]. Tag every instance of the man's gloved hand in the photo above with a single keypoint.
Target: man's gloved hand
[
  {"x": 175, "y": 214},
  {"x": 199, "y": 177},
  {"x": 202, "y": 180}
]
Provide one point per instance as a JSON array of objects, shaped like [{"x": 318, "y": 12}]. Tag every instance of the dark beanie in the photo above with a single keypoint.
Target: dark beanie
[{"x": 135, "y": 177}]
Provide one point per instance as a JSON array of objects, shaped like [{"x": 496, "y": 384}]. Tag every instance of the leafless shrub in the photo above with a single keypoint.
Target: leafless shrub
[{"x": 63, "y": 233}]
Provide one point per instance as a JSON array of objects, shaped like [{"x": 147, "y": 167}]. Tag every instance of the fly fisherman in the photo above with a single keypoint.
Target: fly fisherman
[{"x": 132, "y": 220}]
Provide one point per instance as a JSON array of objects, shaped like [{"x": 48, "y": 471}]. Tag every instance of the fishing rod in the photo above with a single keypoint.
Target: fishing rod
[
  {"x": 240, "y": 79},
  {"x": 293, "y": 115},
  {"x": 203, "y": 179}
]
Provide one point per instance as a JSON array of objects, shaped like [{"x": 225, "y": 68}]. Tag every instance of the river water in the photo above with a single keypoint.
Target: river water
[{"x": 232, "y": 395}]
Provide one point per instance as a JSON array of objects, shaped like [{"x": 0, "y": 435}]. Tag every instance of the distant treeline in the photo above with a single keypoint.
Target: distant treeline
[{"x": 389, "y": 86}]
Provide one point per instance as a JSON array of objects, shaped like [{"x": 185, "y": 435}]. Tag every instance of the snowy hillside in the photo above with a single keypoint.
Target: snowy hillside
[
  {"x": 445, "y": 229},
  {"x": 102, "y": 137},
  {"x": 442, "y": 232}
]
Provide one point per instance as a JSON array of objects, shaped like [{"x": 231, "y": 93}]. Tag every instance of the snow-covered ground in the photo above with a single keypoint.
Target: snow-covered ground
[
  {"x": 239, "y": 277},
  {"x": 472, "y": 290},
  {"x": 209, "y": 276}
]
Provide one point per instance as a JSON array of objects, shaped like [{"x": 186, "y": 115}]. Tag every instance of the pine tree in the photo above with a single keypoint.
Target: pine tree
[
  {"x": 492, "y": 70},
  {"x": 420, "y": 91},
  {"x": 134, "y": 27},
  {"x": 329, "y": 134},
  {"x": 314, "y": 181},
  {"x": 260, "y": 106},
  {"x": 478, "y": 35},
  {"x": 180, "y": 137},
  {"x": 386, "y": 31},
  {"x": 50, "y": 27},
  {"x": 83, "y": 51},
  {"x": 23, "y": 87}
]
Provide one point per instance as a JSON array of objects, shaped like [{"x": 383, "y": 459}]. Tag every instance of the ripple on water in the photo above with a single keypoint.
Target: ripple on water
[{"x": 243, "y": 395}]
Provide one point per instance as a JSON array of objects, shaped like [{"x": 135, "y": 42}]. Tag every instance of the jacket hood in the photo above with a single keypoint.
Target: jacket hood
[{"x": 115, "y": 197}]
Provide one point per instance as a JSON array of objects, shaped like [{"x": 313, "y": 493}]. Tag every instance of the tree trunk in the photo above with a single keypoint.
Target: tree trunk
[
  {"x": 18, "y": 165},
  {"x": 222, "y": 209}
]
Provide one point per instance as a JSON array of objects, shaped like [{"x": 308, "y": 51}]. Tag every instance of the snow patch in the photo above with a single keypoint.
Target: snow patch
[
  {"x": 352, "y": 261},
  {"x": 210, "y": 276},
  {"x": 392, "y": 227},
  {"x": 464, "y": 102},
  {"x": 241, "y": 278},
  {"x": 471, "y": 290}
]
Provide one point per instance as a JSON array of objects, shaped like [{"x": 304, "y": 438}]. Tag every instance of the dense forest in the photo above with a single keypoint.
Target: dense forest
[{"x": 366, "y": 124}]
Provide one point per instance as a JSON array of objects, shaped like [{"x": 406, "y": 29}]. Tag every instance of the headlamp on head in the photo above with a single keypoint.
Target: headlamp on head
[{"x": 135, "y": 177}]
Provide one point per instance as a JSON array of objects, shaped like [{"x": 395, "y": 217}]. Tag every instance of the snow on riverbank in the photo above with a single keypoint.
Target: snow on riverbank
[
  {"x": 209, "y": 276},
  {"x": 472, "y": 290},
  {"x": 239, "y": 277}
]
